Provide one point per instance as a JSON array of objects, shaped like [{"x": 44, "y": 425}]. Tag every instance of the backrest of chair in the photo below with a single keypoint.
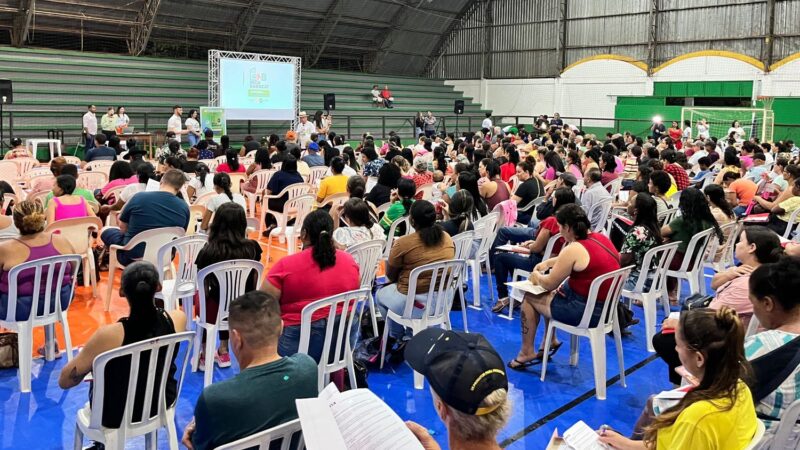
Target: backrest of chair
[
  {"x": 205, "y": 198},
  {"x": 99, "y": 166},
  {"x": 296, "y": 190},
  {"x": 438, "y": 298},
  {"x": 463, "y": 244},
  {"x": 48, "y": 279},
  {"x": 26, "y": 165},
  {"x": 221, "y": 159},
  {"x": 92, "y": 180},
  {"x": 485, "y": 230},
  {"x": 658, "y": 257},
  {"x": 426, "y": 190},
  {"x": 708, "y": 179},
  {"x": 514, "y": 183},
  {"x": 9, "y": 171},
  {"x": 315, "y": 174},
  {"x": 548, "y": 249},
  {"x": 300, "y": 207},
  {"x": 336, "y": 200},
  {"x": 393, "y": 230},
  {"x": 262, "y": 176},
  {"x": 7, "y": 200},
  {"x": 138, "y": 354},
  {"x": 74, "y": 160},
  {"x": 792, "y": 225},
  {"x": 263, "y": 441},
  {"x": 603, "y": 208},
  {"x": 613, "y": 281},
  {"x": 696, "y": 250},
  {"x": 232, "y": 277},
  {"x": 236, "y": 181},
  {"x": 367, "y": 254},
  {"x": 154, "y": 239},
  {"x": 383, "y": 208},
  {"x": 186, "y": 249},
  {"x": 730, "y": 232},
  {"x": 614, "y": 187},
  {"x": 77, "y": 231},
  {"x": 251, "y": 154},
  {"x": 351, "y": 304},
  {"x": 114, "y": 192},
  {"x": 33, "y": 172},
  {"x": 666, "y": 216}
]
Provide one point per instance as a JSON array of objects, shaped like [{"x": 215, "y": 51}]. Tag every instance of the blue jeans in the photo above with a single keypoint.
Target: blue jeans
[
  {"x": 504, "y": 265},
  {"x": 388, "y": 298},
  {"x": 289, "y": 341},
  {"x": 513, "y": 234},
  {"x": 193, "y": 139},
  {"x": 739, "y": 210},
  {"x": 114, "y": 236},
  {"x": 417, "y": 132}
]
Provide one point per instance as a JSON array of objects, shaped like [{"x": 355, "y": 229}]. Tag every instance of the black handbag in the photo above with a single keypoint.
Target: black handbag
[{"x": 697, "y": 301}]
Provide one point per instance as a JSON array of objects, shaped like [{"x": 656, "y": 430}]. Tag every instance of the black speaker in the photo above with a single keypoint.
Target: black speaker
[
  {"x": 458, "y": 107},
  {"x": 329, "y": 101},
  {"x": 6, "y": 92}
]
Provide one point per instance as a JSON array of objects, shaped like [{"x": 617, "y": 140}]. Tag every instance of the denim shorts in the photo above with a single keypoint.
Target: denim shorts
[{"x": 568, "y": 307}]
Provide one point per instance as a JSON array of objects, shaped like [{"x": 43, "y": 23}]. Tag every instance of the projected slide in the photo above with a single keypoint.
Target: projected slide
[{"x": 256, "y": 90}]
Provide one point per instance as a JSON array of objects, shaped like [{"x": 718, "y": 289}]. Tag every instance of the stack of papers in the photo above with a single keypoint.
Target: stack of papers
[{"x": 527, "y": 286}]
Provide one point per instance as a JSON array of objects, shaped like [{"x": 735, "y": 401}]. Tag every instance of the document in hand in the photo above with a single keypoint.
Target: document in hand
[
  {"x": 353, "y": 420},
  {"x": 527, "y": 286},
  {"x": 581, "y": 437}
]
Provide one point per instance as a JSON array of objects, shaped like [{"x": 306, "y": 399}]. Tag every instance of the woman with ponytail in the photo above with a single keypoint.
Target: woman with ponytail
[
  {"x": 459, "y": 213},
  {"x": 756, "y": 245},
  {"x": 427, "y": 244},
  {"x": 138, "y": 286},
  {"x": 231, "y": 164},
  {"x": 227, "y": 240},
  {"x": 202, "y": 183},
  {"x": 317, "y": 272},
  {"x": 222, "y": 186},
  {"x": 717, "y": 413}
]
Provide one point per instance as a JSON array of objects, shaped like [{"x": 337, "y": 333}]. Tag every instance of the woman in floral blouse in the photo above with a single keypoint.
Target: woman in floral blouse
[{"x": 643, "y": 235}]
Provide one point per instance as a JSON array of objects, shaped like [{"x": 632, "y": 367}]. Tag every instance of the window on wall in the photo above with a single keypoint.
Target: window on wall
[{"x": 715, "y": 102}]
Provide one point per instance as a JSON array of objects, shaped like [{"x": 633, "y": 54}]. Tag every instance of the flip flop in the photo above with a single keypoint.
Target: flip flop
[
  {"x": 554, "y": 349},
  {"x": 500, "y": 305},
  {"x": 520, "y": 365}
]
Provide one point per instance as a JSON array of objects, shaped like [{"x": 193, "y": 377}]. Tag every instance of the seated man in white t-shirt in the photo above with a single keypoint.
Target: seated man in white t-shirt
[{"x": 222, "y": 186}]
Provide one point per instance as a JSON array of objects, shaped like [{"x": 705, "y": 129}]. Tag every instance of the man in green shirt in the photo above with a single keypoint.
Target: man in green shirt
[{"x": 263, "y": 394}]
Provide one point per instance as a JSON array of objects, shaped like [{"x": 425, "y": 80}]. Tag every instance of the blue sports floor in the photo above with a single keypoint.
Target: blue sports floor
[{"x": 45, "y": 418}]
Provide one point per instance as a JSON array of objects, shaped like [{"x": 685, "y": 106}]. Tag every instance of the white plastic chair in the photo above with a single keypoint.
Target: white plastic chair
[
  {"x": 92, "y": 180},
  {"x": 9, "y": 171},
  {"x": 51, "y": 312},
  {"x": 221, "y": 159},
  {"x": 485, "y": 231},
  {"x": 152, "y": 239},
  {"x": 182, "y": 286},
  {"x": 40, "y": 181},
  {"x": 335, "y": 200},
  {"x": 7, "y": 200},
  {"x": 516, "y": 295},
  {"x": 530, "y": 206},
  {"x": 232, "y": 278},
  {"x": 291, "y": 191},
  {"x": 597, "y": 334},
  {"x": 262, "y": 177},
  {"x": 463, "y": 245},
  {"x": 390, "y": 236},
  {"x": 367, "y": 255},
  {"x": 74, "y": 160},
  {"x": 613, "y": 187},
  {"x": 691, "y": 268},
  {"x": 89, "y": 422},
  {"x": 38, "y": 197},
  {"x": 203, "y": 200},
  {"x": 658, "y": 287},
  {"x": 196, "y": 213},
  {"x": 426, "y": 190},
  {"x": 315, "y": 175},
  {"x": 793, "y": 224},
  {"x": 437, "y": 301},
  {"x": 263, "y": 441},
  {"x": 731, "y": 231},
  {"x": 297, "y": 207},
  {"x": 666, "y": 216},
  {"x": 604, "y": 206},
  {"x": 26, "y": 165},
  {"x": 236, "y": 181},
  {"x": 784, "y": 436},
  {"x": 337, "y": 339},
  {"x": 78, "y": 232},
  {"x": 211, "y": 164},
  {"x": 99, "y": 166}
]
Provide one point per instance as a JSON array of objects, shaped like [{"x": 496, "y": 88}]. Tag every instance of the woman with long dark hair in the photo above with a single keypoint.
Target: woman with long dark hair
[
  {"x": 459, "y": 213},
  {"x": 509, "y": 169},
  {"x": 427, "y": 244},
  {"x": 574, "y": 164},
  {"x": 553, "y": 165},
  {"x": 138, "y": 285},
  {"x": 695, "y": 217},
  {"x": 468, "y": 181},
  {"x": 193, "y": 127},
  {"x": 231, "y": 164},
  {"x": 223, "y": 188},
  {"x": 120, "y": 174},
  {"x": 202, "y": 183},
  {"x": 388, "y": 176},
  {"x": 710, "y": 344},
  {"x": 287, "y": 176},
  {"x": 330, "y": 271},
  {"x": 493, "y": 189},
  {"x": 402, "y": 198},
  {"x": 644, "y": 234}
]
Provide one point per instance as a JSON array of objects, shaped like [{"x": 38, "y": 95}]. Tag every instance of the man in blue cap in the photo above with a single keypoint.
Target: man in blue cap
[
  {"x": 469, "y": 387},
  {"x": 313, "y": 158}
]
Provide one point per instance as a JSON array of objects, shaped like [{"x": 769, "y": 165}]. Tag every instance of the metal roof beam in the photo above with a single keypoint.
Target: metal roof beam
[
  {"x": 446, "y": 37},
  {"x": 326, "y": 26},
  {"x": 22, "y": 22},
  {"x": 243, "y": 28},
  {"x": 140, "y": 33},
  {"x": 387, "y": 39}
]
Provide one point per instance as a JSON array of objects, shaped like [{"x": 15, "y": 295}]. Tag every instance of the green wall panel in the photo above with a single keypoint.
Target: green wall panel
[{"x": 703, "y": 89}]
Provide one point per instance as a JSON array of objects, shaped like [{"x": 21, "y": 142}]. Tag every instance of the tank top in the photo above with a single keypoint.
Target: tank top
[
  {"x": 26, "y": 278},
  {"x": 117, "y": 373},
  {"x": 64, "y": 211},
  {"x": 499, "y": 195},
  {"x": 603, "y": 258}
]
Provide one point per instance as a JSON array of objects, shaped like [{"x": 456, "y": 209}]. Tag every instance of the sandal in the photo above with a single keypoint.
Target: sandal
[
  {"x": 554, "y": 348},
  {"x": 500, "y": 305},
  {"x": 516, "y": 364}
]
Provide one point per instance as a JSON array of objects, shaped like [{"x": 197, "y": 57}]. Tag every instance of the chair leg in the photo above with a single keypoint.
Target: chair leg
[
  {"x": 211, "y": 341},
  {"x": 620, "y": 359},
  {"x": 548, "y": 339},
  {"x": 649, "y": 307},
  {"x": 463, "y": 305},
  {"x": 511, "y": 301},
  {"x": 151, "y": 440},
  {"x": 92, "y": 274},
  {"x": 172, "y": 432},
  {"x": 351, "y": 371},
  {"x": 85, "y": 263},
  {"x": 598, "y": 345},
  {"x": 419, "y": 380},
  {"x": 197, "y": 347},
  {"x": 78, "y": 442},
  {"x": 25, "y": 346},
  {"x": 371, "y": 301},
  {"x": 385, "y": 339},
  {"x": 67, "y": 336},
  {"x": 50, "y": 342},
  {"x": 491, "y": 281},
  {"x": 573, "y": 350},
  {"x": 114, "y": 440},
  {"x": 701, "y": 280},
  {"x": 112, "y": 267},
  {"x": 476, "y": 284}
]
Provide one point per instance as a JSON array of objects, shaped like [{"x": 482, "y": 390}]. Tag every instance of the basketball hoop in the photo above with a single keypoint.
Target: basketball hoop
[{"x": 766, "y": 101}]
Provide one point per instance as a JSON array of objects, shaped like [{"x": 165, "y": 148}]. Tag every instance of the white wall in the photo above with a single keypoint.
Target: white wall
[{"x": 590, "y": 89}]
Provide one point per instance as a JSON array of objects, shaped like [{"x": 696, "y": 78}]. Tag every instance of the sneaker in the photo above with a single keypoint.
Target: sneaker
[{"x": 223, "y": 360}]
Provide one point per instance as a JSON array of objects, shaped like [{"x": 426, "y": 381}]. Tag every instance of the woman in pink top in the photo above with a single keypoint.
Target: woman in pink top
[
  {"x": 65, "y": 205},
  {"x": 317, "y": 272},
  {"x": 120, "y": 174},
  {"x": 231, "y": 165}
]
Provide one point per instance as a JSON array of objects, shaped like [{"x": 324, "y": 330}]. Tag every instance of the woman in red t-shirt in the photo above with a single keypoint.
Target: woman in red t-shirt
[
  {"x": 676, "y": 135},
  {"x": 231, "y": 165},
  {"x": 509, "y": 169},
  {"x": 586, "y": 256},
  {"x": 317, "y": 272}
]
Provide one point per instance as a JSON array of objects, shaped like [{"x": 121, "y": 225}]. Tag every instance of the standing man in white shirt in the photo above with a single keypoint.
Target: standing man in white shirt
[
  {"x": 90, "y": 127},
  {"x": 487, "y": 122},
  {"x": 175, "y": 123},
  {"x": 304, "y": 128}
]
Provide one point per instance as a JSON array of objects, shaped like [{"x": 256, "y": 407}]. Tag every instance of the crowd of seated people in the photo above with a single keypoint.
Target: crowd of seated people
[{"x": 472, "y": 175}]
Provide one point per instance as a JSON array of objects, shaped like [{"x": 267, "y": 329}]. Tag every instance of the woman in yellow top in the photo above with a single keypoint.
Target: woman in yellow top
[
  {"x": 732, "y": 164},
  {"x": 718, "y": 413},
  {"x": 334, "y": 184}
]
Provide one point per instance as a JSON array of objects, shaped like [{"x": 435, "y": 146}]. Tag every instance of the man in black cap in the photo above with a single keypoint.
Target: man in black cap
[{"x": 469, "y": 386}]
